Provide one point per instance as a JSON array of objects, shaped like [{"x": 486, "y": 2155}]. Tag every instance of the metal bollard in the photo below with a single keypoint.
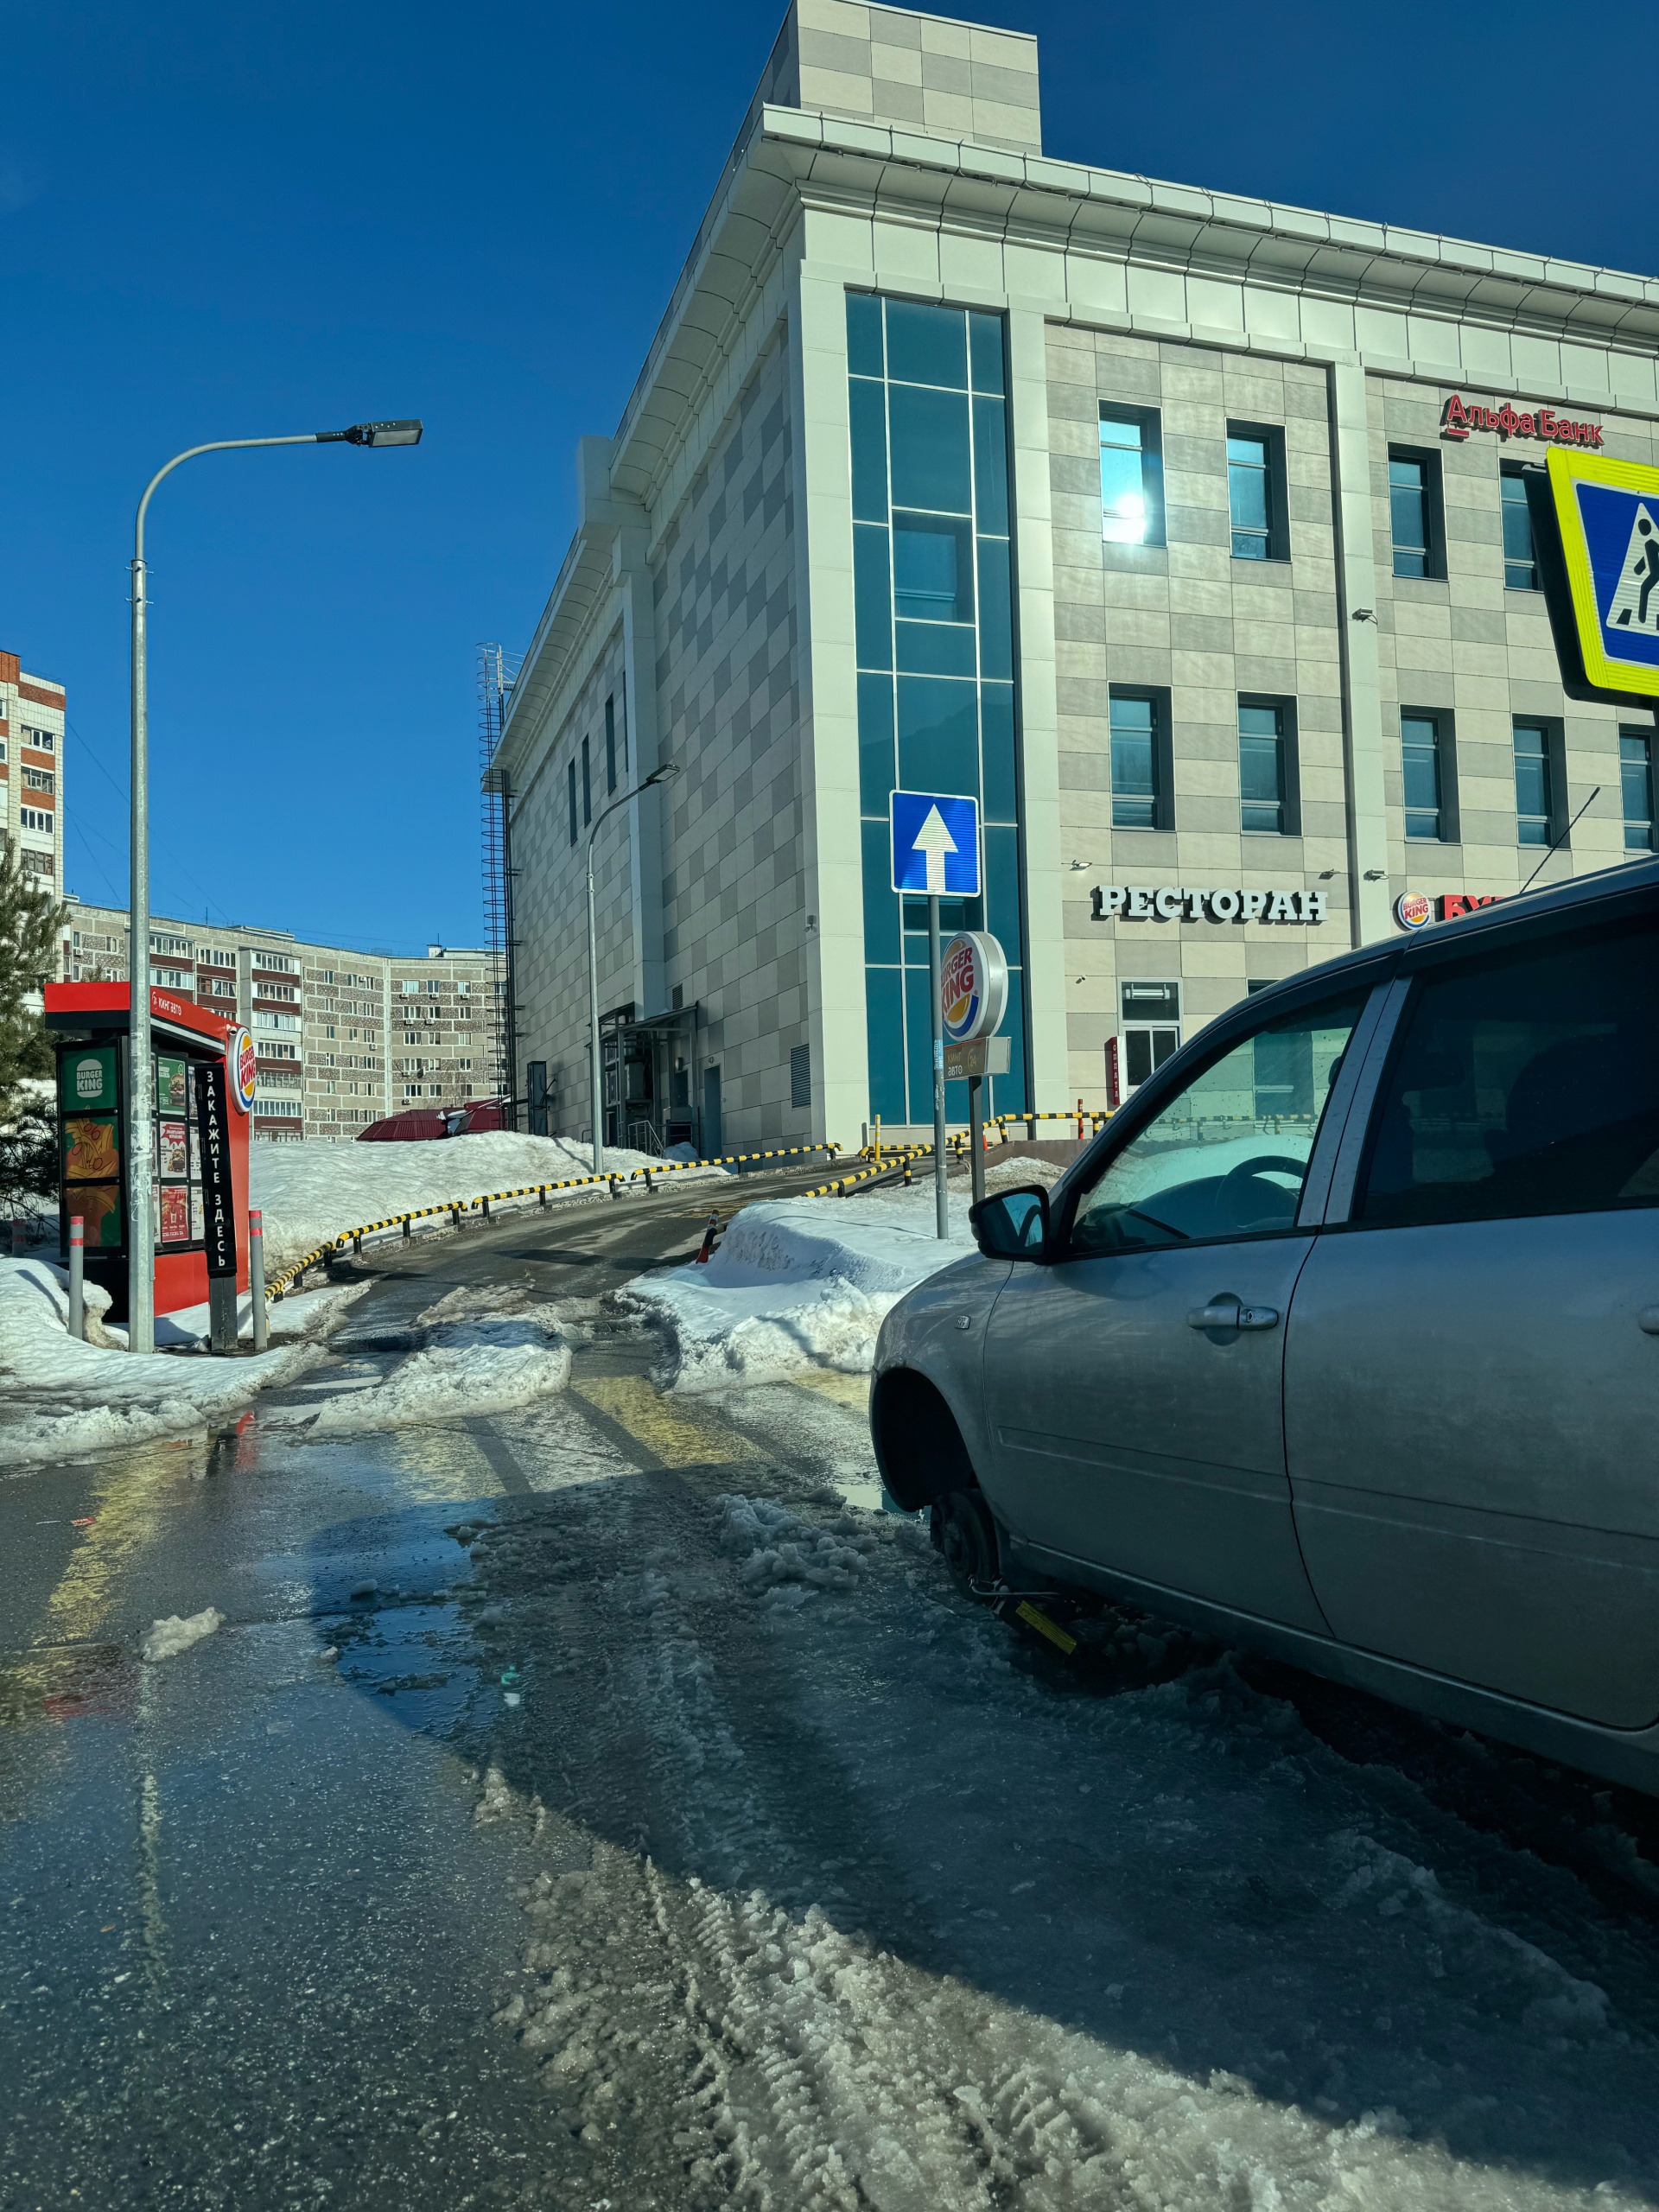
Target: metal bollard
[
  {"x": 77, "y": 1276},
  {"x": 406, "y": 1228},
  {"x": 487, "y": 1209},
  {"x": 542, "y": 1189},
  {"x": 257, "y": 1280}
]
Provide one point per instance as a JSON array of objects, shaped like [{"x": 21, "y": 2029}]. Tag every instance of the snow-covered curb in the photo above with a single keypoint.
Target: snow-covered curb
[
  {"x": 465, "y": 1368},
  {"x": 799, "y": 1283},
  {"x": 61, "y": 1399}
]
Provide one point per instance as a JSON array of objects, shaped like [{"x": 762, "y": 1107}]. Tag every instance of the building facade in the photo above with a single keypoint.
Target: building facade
[
  {"x": 31, "y": 770},
  {"x": 342, "y": 1037},
  {"x": 1186, "y": 531}
]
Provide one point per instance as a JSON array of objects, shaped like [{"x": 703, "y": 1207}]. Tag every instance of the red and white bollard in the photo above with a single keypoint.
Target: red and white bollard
[
  {"x": 710, "y": 1237},
  {"x": 77, "y": 1276},
  {"x": 256, "y": 1279},
  {"x": 1080, "y": 1122}
]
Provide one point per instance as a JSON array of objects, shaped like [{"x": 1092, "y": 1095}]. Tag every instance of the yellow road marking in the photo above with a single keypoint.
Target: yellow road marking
[
  {"x": 852, "y": 1390},
  {"x": 676, "y": 1434}
]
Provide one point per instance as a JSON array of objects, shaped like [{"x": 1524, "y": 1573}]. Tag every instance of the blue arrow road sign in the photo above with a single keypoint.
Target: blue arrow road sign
[{"x": 935, "y": 843}]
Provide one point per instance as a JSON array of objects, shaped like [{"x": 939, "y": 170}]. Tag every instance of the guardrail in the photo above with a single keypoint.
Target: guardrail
[{"x": 279, "y": 1284}]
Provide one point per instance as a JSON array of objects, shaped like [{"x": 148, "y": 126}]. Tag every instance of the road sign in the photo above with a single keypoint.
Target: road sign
[
  {"x": 935, "y": 843},
  {"x": 1601, "y": 572},
  {"x": 980, "y": 1056}
]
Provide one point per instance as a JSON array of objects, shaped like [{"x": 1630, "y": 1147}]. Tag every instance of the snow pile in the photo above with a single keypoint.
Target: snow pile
[
  {"x": 788, "y": 1558},
  {"x": 799, "y": 1283},
  {"x": 59, "y": 1398},
  {"x": 311, "y": 1193},
  {"x": 178, "y": 1632},
  {"x": 465, "y": 1368}
]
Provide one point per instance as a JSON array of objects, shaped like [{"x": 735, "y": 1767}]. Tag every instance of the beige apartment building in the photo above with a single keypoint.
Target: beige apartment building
[
  {"x": 1186, "y": 531},
  {"x": 342, "y": 1037},
  {"x": 31, "y": 770}
]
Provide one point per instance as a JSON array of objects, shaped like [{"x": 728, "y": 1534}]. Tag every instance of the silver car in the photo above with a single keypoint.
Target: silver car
[{"x": 1342, "y": 1340}]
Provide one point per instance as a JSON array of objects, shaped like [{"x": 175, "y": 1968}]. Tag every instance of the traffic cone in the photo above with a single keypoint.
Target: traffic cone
[{"x": 710, "y": 1237}]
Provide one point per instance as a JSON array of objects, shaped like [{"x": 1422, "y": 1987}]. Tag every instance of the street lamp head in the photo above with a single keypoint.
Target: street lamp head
[
  {"x": 665, "y": 775},
  {"x": 375, "y": 434}
]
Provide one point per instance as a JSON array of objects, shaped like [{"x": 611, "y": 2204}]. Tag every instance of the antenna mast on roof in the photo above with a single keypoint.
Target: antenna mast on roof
[{"x": 496, "y": 671}]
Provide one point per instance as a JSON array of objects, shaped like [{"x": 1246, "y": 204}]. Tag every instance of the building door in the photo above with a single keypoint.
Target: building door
[
  {"x": 1151, "y": 1028},
  {"x": 1471, "y": 1385},
  {"x": 711, "y": 1129},
  {"x": 1134, "y": 1384}
]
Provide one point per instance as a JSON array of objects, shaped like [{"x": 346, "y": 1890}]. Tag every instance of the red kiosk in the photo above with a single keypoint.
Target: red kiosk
[{"x": 199, "y": 1125}]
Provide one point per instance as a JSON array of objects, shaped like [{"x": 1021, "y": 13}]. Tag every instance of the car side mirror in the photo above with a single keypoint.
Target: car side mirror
[{"x": 1014, "y": 1225}]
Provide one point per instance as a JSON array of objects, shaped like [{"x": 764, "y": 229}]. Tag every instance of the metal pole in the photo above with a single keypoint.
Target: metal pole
[
  {"x": 77, "y": 1276},
  {"x": 594, "y": 1083},
  {"x": 141, "y": 1085},
  {"x": 977, "y": 1133},
  {"x": 936, "y": 1018},
  {"x": 256, "y": 1279}
]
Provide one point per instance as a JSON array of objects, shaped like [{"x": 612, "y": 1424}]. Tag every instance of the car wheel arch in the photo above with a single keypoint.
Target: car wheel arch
[{"x": 920, "y": 1445}]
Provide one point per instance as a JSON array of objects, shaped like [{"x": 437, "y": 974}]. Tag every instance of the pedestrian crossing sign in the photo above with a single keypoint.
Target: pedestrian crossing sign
[{"x": 1607, "y": 513}]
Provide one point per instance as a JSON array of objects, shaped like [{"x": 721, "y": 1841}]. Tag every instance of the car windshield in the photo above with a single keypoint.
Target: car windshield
[{"x": 1228, "y": 1156}]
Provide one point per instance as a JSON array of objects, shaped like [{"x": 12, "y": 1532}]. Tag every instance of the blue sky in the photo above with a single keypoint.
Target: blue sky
[{"x": 218, "y": 222}]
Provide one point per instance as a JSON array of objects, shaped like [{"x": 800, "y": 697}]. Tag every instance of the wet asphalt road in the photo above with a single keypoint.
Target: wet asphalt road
[{"x": 252, "y": 1934}]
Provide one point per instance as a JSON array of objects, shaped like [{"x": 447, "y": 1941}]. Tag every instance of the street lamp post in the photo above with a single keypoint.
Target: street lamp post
[
  {"x": 141, "y": 1100},
  {"x": 663, "y": 775}
]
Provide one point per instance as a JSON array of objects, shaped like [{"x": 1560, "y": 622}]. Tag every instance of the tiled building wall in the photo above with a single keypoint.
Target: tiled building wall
[
  {"x": 1465, "y": 647},
  {"x": 551, "y": 896},
  {"x": 729, "y": 711},
  {"x": 1188, "y": 618},
  {"x": 951, "y": 80}
]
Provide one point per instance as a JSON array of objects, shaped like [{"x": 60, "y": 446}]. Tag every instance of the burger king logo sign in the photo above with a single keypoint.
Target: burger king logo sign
[
  {"x": 972, "y": 987},
  {"x": 1412, "y": 909},
  {"x": 239, "y": 1064}
]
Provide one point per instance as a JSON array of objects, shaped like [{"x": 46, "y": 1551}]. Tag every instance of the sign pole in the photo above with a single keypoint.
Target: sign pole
[
  {"x": 936, "y": 981},
  {"x": 977, "y": 1133}
]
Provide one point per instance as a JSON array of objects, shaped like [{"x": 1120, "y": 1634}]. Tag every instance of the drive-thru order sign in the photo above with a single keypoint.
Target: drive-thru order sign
[{"x": 935, "y": 843}]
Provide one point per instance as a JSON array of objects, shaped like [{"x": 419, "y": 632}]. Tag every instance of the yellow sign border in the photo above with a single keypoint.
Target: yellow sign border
[{"x": 1567, "y": 470}]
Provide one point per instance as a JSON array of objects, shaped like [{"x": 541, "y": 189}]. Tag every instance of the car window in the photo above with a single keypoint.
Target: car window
[
  {"x": 1523, "y": 1084},
  {"x": 1227, "y": 1157}
]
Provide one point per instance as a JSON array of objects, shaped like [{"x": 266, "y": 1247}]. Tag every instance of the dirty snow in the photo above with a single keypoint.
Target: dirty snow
[
  {"x": 62, "y": 1398},
  {"x": 311, "y": 1193},
  {"x": 464, "y": 1369},
  {"x": 802, "y": 1283},
  {"x": 178, "y": 1632}
]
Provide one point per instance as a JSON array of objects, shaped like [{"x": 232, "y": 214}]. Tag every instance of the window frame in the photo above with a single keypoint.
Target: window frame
[
  {"x": 1150, "y": 420},
  {"x": 1290, "y": 796},
  {"x": 1163, "y": 757},
  {"x": 1428, "y": 461},
  {"x": 1276, "y": 538},
  {"x": 1445, "y": 745},
  {"x": 1554, "y": 761},
  {"x": 1629, "y": 821},
  {"x": 1516, "y": 471}
]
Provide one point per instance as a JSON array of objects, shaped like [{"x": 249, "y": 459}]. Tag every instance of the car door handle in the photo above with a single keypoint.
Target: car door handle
[
  {"x": 1648, "y": 1320},
  {"x": 1230, "y": 1313}
]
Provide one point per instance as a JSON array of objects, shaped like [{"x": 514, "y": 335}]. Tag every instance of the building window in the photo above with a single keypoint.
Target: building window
[
  {"x": 610, "y": 745},
  {"x": 1534, "y": 784},
  {"x": 43, "y": 740},
  {"x": 1250, "y": 497},
  {"x": 587, "y": 787},
  {"x": 1152, "y": 1027},
  {"x": 1420, "y": 760},
  {"x": 1137, "y": 781},
  {"x": 1520, "y": 560},
  {"x": 573, "y": 801},
  {"x": 1414, "y": 512},
  {"x": 1131, "y": 476},
  {"x": 800, "y": 1075},
  {"x": 933, "y": 637},
  {"x": 35, "y": 817},
  {"x": 1635, "y": 779},
  {"x": 1263, "y": 783}
]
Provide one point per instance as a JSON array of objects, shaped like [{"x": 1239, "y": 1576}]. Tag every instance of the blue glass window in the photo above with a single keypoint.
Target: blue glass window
[
  {"x": 1635, "y": 782},
  {"x": 991, "y": 468},
  {"x": 884, "y": 1017},
  {"x": 927, "y": 345},
  {"x": 877, "y": 767},
  {"x": 1520, "y": 559},
  {"x": 985, "y": 345},
  {"x": 929, "y": 446},
  {"x": 872, "y": 596},
  {"x": 1249, "y": 495},
  {"x": 932, "y": 568},
  {"x": 1135, "y": 763},
  {"x": 996, "y": 752},
  {"x": 868, "y": 404},
  {"x": 938, "y": 735},
  {"x": 1420, "y": 760},
  {"x": 1262, "y": 768},
  {"x": 1534, "y": 783},
  {"x": 1408, "y": 515},
  {"x": 1131, "y": 477}
]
